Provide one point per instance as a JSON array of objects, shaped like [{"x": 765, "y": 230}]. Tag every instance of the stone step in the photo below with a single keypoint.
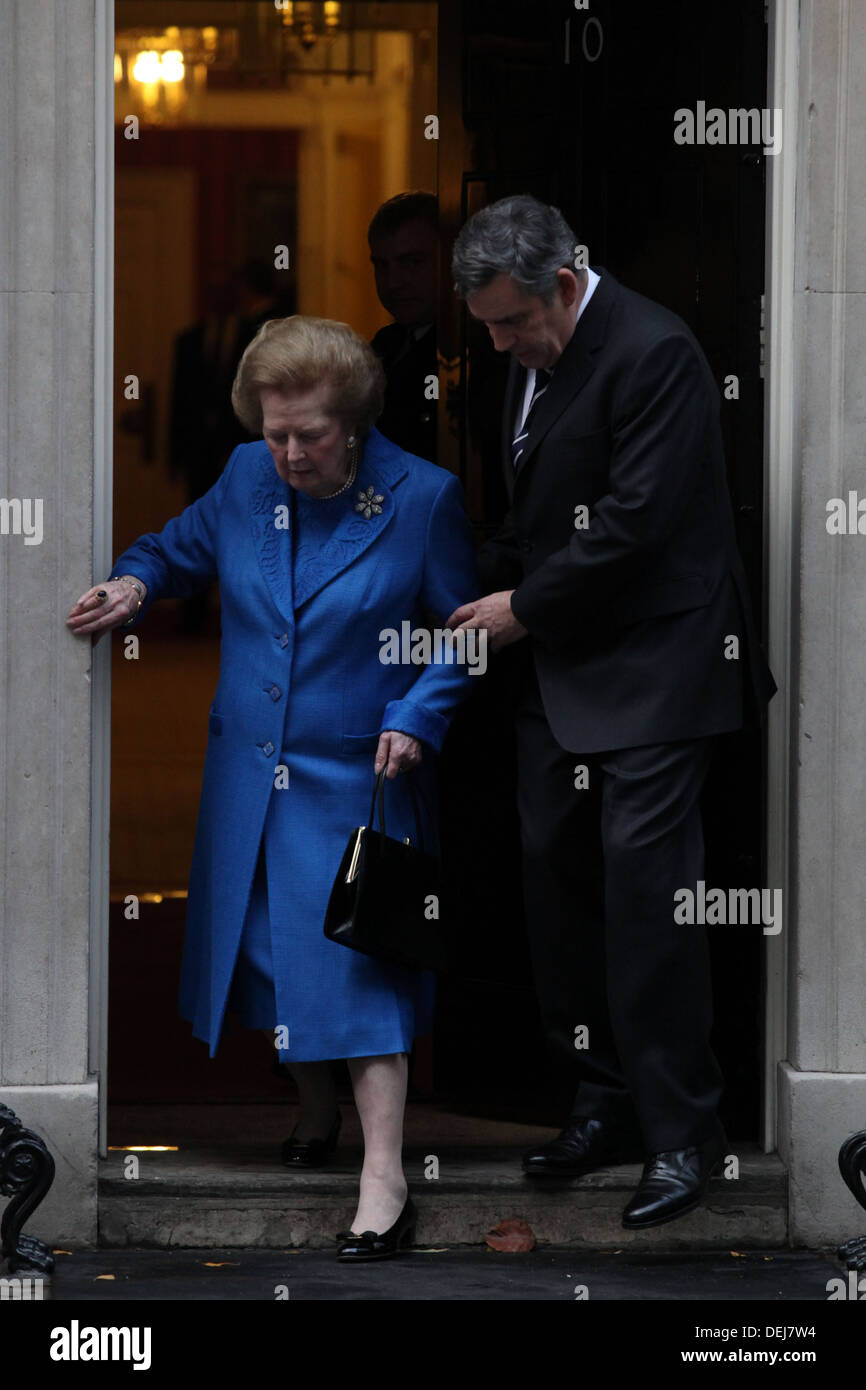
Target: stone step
[{"x": 232, "y": 1191}]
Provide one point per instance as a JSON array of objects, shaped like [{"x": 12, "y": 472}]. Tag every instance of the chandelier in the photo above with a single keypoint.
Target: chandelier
[
  {"x": 307, "y": 23},
  {"x": 159, "y": 74},
  {"x": 323, "y": 38}
]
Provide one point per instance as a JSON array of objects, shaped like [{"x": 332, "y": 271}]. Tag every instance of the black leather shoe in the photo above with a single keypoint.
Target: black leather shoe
[
  {"x": 584, "y": 1144},
  {"x": 673, "y": 1183},
  {"x": 369, "y": 1245},
  {"x": 311, "y": 1153}
]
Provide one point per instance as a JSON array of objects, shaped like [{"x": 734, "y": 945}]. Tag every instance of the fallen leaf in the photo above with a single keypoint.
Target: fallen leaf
[
  {"x": 218, "y": 1264},
  {"x": 511, "y": 1236},
  {"x": 61, "y": 1252},
  {"x": 105, "y": 1276}
]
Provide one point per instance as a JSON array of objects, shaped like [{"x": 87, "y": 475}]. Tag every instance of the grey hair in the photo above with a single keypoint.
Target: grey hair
[
  {"x": 298, "y": 353},
  {"x": 520, "y": 237}
]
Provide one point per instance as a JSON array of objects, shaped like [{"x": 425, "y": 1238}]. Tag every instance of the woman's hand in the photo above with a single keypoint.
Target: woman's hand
[
  {"x": 398, "y": 752},
  {"x": 104, "y": 607}
]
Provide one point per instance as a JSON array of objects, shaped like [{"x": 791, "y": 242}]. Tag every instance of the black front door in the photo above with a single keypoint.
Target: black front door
[{"x": 577, "y": 105}]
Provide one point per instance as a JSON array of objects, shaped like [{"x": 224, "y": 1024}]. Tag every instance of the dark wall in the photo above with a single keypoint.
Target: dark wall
[{"x": 246, "y": 193}]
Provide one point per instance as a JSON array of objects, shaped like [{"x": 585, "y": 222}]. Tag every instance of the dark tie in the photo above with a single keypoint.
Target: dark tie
[{"x": 518, "y": 443}]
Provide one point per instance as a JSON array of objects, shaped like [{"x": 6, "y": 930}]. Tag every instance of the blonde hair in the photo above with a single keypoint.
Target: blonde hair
[{"x": 299, "y": 353}]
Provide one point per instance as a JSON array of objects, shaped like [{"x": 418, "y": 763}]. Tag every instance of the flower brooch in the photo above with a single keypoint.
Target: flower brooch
[{"x": 369, "y": 503}]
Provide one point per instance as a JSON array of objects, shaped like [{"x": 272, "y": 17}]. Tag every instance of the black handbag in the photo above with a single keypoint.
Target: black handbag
[{"x": 385, "y": 899}]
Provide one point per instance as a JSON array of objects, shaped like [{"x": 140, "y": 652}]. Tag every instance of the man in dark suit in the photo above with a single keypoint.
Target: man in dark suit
[
  {"x": 203, "y": 429},
  {"x": 617, "y": 564},
  {"x": 404, "y": 249}
]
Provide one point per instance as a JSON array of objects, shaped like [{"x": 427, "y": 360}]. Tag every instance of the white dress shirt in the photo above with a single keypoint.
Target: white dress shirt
[{"x": 592, "y": 282}]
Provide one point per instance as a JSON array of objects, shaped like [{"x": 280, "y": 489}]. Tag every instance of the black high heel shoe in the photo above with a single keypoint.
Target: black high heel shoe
[
  {"x": 369, "y": 1245},
  {"x": 311, "y": 1153}
]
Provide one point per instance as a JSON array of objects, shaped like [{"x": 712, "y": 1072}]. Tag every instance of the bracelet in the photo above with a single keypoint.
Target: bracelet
[{"x": 128, "y": 579}]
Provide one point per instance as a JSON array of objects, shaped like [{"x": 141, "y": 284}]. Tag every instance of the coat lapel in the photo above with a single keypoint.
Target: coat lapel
[
  {"x": 381, "y": 469},
  {"x": 573, "y": 370},
  {"x": 270, "y": 521}
]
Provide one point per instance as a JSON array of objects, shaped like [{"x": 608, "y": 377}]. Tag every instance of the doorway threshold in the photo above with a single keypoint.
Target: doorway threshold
[{"x": 210, "y": 1175}]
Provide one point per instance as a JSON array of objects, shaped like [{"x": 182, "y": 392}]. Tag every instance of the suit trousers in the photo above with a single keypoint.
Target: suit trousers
[{"x": 625, "y": 992}]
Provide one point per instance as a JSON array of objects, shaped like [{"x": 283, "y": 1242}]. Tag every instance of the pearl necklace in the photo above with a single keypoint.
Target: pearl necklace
[{"x": 353, "y": 471}]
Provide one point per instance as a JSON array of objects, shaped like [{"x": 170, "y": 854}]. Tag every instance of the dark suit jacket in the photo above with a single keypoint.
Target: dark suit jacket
[
  {"x": 409, "y": 418},
  {"x": 630, "y": 616}
]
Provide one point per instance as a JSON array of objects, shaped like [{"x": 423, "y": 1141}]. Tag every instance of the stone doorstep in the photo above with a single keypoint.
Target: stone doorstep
[{"x": 241, "y": 1197}]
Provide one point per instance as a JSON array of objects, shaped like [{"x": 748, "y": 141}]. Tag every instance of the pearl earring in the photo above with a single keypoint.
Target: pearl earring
[{"x": 350, "y": 442}]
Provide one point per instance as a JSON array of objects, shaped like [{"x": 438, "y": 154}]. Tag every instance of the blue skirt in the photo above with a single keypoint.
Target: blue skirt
[{"x": 329, "y": 1000}]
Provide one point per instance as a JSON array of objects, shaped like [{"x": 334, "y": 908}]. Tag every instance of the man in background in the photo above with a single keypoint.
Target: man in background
[
  {"x": 203, "y": 428},
  {"x": 404, "y": 248}
]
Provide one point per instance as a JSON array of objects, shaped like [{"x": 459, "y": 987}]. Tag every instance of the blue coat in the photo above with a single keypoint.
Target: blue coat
[{"x": 302, "y": 687}]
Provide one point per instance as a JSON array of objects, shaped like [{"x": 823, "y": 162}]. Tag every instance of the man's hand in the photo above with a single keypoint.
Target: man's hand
[{"x": 493, "y": 613}]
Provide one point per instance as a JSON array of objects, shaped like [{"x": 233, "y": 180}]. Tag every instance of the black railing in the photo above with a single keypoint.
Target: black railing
[
  {"x": 26, "y": 1174},
  {"x": 852, "y": 1166}
]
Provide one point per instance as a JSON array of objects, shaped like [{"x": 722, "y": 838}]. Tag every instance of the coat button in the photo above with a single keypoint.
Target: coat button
[
  {"x": 275, "y": 692},
  {"x": 268, "y": 749},
  {"x": 284, "y": 639}
]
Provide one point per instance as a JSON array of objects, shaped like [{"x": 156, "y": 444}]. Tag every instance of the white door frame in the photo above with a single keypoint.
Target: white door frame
[
  {"x": 103, "y": 395},
  {"x": 780, "y": 541},
  {"x": 781, "y": 529}
]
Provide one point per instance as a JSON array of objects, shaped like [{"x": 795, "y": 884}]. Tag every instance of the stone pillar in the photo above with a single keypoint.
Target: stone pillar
[
  {"x": 823, "y": 1083},
  {"x": 47, "y": 314}
]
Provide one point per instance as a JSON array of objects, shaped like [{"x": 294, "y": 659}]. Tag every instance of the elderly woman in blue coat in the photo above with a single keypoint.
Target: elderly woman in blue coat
[{"x": 324, "y": 537}]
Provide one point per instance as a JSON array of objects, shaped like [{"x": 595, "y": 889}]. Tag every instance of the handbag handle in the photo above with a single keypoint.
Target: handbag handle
[{"x": 379, "y": 790}]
